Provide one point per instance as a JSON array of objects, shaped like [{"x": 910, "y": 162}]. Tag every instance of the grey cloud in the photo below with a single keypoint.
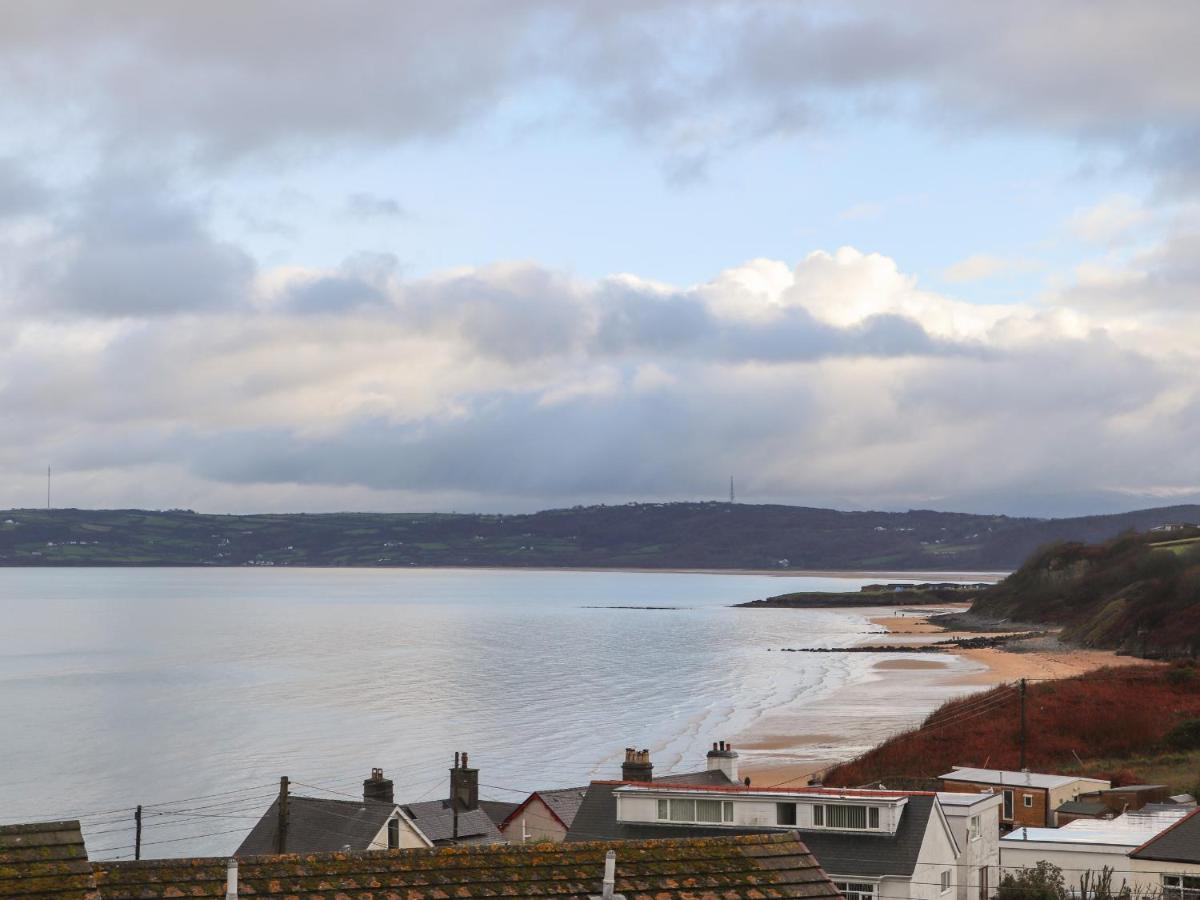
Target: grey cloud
[
  {"x": 363, "y": 280},
  {"x": 20, "y": 192},
  {"x": 130, "y": 248},
  {"x": 370, "y": 206},
  {"x": 1163, "y": 278},
  {"x": 691, "y": 78}
]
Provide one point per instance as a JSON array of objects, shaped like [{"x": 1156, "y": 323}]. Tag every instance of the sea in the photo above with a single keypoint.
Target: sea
[{"x": 191, "y": 692}]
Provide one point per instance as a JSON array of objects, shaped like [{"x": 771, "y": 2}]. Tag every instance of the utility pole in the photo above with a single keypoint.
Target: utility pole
[
  {"x": 1022, "y": 766},
  {"x": 47, "y": 487},
  {"x": 281, "y": 835},
  {"x": 731, "y": 495},
  {"x": 137, "y": 840}
]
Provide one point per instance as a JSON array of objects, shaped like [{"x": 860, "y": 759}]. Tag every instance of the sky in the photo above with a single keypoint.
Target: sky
[{"x": 502, "y": 256}]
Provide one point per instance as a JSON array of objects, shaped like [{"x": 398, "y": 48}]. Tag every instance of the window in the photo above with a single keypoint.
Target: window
[
  {"x": 1008, "y": 804},
  {"x": 785, "y": 813},
  {"x": 856, "y": 890},
  {"x": 973, "y": 829},
  {"x": 695, "y": 812},
  {"x": 1028, "y": 798},
  {"x": 844, "y": 816},
  {"x": 393, "y": 834},
  {"x": 945, "y": 880},
  {"x": 1181, "y": 887}
]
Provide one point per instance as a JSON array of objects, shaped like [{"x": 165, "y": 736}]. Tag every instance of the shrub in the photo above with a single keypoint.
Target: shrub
[
  {"x": 1043, "y": 882},
  {"x": 1184, "y": 736}
]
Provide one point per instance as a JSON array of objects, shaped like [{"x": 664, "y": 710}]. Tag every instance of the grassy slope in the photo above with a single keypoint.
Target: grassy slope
[
  {"x": 684, "y": 535},
  {"x": 1114, "y": 720},
  {"x": 1134, "y": 592}
]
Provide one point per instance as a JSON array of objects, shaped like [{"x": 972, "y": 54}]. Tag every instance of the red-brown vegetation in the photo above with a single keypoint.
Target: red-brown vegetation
[{"x": 1109, "y": 713}]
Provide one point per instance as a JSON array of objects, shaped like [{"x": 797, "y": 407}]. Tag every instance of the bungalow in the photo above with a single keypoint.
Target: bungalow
[
  {"x": 1089, "y": 845},
  {"x": 1171, "y": 859},
  {"x": 1029, "y": 798},
  {"x": 1109, "y": 803}
]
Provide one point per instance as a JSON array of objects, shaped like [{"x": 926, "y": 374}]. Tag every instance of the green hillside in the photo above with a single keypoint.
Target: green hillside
[
  {"x": 646, "y": 535},
  {"x": 1137, "y": 592}
]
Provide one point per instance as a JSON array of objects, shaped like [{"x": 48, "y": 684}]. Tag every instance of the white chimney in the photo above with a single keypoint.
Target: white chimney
[
  {"x": 723, "y": 757},
  {"x": 231, "y": 881},
  {"x": 610, "y": 875}
]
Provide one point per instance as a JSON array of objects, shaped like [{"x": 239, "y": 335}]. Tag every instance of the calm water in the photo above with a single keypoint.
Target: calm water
[{"x": 156, "y": 686}]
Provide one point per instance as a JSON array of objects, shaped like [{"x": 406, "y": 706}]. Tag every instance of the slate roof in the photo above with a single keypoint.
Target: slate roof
[
  {"x": 498, "y": 810},
  {"x": 46, "y": 860},
  {"x": 317, "y": 825},
  {"x": 724, "y": 868},
  {"x": 563, "y": 804},
  {"x": 839, "y": 853},
  {"x": 435, "y": 818},
  {"x": 1179, "y": 843}
]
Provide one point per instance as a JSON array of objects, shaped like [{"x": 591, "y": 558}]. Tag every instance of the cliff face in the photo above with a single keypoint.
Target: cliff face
[{"x": 1139, "y": 593}]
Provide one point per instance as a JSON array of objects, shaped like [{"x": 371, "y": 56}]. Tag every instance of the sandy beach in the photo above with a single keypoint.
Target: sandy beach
[{"x": 790, "y": 745}]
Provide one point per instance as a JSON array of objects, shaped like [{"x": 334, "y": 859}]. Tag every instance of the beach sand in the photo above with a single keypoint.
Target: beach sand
[{"x": 788, "y": 745}]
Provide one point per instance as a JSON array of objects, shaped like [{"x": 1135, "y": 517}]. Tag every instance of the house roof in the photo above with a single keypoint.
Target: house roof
[
  {"x": 715, "y": 868},
  {"x": 1083, "y": 808},
  {"x": 316, "y": 825},
  {"x": 1179, "y": 843},
  {"x": 841, "y": 853},
  {"x": 46, "y": 860},
  {"x": 435, "y": 819},
  {"x": 1132, "y": 829},
  {"x": 950, "y": 799},
  {"x": 498, "y": 810},
  {"x": 748, "y": 789},
  {"x": 1009, "y": 778},
  {"x": 562, "y": 803}
]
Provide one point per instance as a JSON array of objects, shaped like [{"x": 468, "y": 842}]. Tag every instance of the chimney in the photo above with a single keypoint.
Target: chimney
[
  {"x": 464, "y": 784},
  {"x": 723, "y": 757},
  {"x": 231, "y": 880},
  {"x": 610, "y": 875},
  {"x": 637, "y": 766},
  {"x": 378, "y": 788}
]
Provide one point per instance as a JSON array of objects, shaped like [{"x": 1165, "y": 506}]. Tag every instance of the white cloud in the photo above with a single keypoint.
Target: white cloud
[
  {"x": 1108, "y": 221},
  {"x": 982, "y": 266}
]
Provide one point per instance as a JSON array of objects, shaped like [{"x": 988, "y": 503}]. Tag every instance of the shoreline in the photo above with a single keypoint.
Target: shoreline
[
  {"x": 898, "y": 692},
  {"x": 901, "y": 574}
]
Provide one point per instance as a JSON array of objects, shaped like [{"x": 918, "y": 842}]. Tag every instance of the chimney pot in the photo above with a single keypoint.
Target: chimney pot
[
  {"x": 465, "y": 761},
  {"x": 231, "y": 880}
]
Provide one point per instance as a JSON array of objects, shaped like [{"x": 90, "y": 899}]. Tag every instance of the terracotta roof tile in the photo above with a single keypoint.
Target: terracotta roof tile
[
  {"x": 48, "y": 860},
  {"x": 763, "y": 866}
]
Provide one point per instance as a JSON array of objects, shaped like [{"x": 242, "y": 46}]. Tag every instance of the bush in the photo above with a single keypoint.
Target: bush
[
  {"x": 1184, "y": 736},
  {"x": 1043, "y": 882}
]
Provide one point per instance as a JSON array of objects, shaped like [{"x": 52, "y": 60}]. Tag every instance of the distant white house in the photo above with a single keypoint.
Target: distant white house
[
  {"x": 975, "y": 821},
  {"x": 1089, "y": 845},
  {"x": 875, "y": 845}
]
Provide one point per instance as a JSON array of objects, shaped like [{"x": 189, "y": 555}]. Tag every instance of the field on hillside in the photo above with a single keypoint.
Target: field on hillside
[{"x": 1127, "y": 724}]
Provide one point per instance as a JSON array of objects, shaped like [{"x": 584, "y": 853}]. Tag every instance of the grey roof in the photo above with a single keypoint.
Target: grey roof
[
  {"x": 564, "y": 802},
  {"x": 1008, "y": 778},
  {"x": 498, "y": 810},
  {"x": 435, "y": 818},
  {"x": 838, "y": 853},
  {"x": 1179, "y": 843},
  {"x": 874, "y": 854},
  {"x": 317, "y": 825},
  {"x": 46, "y": 860},
  {"x": 1083, "y": 808}
]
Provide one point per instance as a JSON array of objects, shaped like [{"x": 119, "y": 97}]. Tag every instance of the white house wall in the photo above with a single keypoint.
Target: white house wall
[{"x": 1073, "y": 860}]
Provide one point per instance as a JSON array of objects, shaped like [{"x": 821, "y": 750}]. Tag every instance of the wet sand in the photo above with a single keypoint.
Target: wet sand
[{"x": 900, "y": 691}]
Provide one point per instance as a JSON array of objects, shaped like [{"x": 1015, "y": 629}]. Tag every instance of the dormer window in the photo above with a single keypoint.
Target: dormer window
[
  {"x": 695, "y": 812},
  {"x": 831, "y": 815}
]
